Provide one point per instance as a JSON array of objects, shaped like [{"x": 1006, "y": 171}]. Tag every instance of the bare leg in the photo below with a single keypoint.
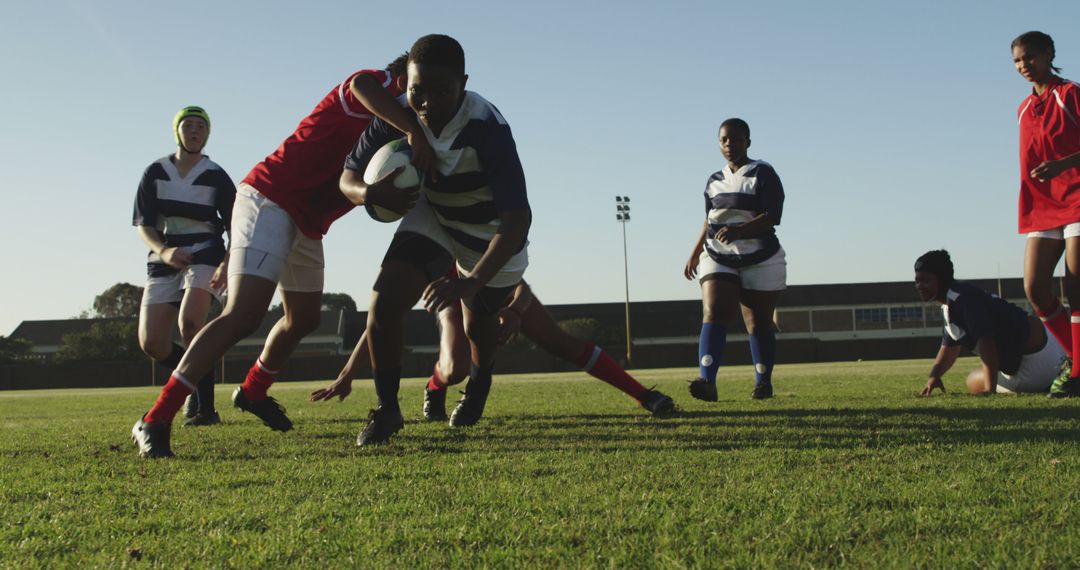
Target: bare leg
[
  {"x": 303, "y": 311},
  {"x": 155, "y": 330}
]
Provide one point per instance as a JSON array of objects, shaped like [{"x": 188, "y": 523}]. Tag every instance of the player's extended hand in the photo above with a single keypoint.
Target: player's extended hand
[
  {"x": 176, "y": 257},
  {"x": 341, "y": 388},
  {"x": 1047, "y": 170},
  {"x": 444, "y": 292},
  {"x": 728, "y": 234},
  {"x": 690, "y": 271},
  {"x": 423, "y": 156},
  {"x": 932, "y": 383},
  {"x": 384, "y": 194},
  {"x": 509, "y": 326}
]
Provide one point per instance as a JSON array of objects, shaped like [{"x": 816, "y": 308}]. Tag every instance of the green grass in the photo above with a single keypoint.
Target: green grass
[{"x": 845, "y": 467}]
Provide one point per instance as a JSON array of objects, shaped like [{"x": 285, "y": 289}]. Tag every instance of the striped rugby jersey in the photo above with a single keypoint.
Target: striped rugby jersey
[
  {"x": 733, "y": 198},
  {"x": 480, "y": 174},
  {"x": 190, "y": 211}
]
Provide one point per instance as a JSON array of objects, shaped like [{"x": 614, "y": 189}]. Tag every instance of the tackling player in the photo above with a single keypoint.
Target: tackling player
[
  {"x": 1049, "y": 121},
  {"x": 283, "y": 208},
  {"x": 475, "y": 214},
  {"x": 183, "y": 205},
  {"x": 1012, "y": 345},
  {"x": 526, "y": 314},
  {"x": 738, "y": 260}
]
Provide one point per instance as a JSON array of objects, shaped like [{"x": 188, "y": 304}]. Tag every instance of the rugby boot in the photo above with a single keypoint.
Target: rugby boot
[
  {"x": 703, "y": 390},
  {"x": 191, "y": 405},
  {"x": 381, "y": 425},
  {"x": 762, "y": 392},
  {"x": 203, "y": 419},
  {"x": 657, "y": 403},
  {"x": 435, "y": 405},
  {"x": 269, "y": 410},
  {"x": 1064, "y": 385},
  {"x": 471, "y": 406},
  {"x": 152, "y": 439}
]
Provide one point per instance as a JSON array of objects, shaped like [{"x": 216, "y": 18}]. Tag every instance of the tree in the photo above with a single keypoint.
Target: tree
[
  {"x": 109, "y": 340},
  {"x": 119, "y": 301},
  {"x": 338, "y": 302},
  {"x": 12, "y": 349}
]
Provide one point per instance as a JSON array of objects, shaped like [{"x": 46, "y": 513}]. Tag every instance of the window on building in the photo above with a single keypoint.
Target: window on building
[
  {"x": 906, "y": 314},
  {"x": 870, "y": 316}
]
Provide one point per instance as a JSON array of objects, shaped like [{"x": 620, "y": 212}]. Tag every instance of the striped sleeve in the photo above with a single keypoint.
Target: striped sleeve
[
  {"x": 498, "y": 154},
  {"x": 146, "y": 206}
]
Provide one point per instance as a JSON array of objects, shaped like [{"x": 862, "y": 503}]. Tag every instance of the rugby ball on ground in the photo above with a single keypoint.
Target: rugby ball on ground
[{"x": 392, "y": 155}]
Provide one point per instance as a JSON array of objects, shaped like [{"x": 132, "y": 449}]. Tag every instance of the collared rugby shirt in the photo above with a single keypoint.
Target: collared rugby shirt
[
  {"x": 190, "y": 211},
  {"x": 733, "y": 198},
  {"x": 1049, "y": 130}
]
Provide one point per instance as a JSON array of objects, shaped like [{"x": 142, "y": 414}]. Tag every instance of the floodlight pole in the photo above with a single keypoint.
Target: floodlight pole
[{"x": 622, "y": 214}]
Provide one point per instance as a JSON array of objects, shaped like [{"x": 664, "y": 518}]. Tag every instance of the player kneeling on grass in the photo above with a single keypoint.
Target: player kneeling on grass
[
  {"x": 523, "y": 314},
  {"x": 738, "y": 260},
  {"x": 1013, "y": 345},
  {"x": 183, "y": 205}
]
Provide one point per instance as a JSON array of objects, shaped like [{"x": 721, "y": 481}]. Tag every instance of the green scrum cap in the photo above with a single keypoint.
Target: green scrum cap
[{"x": 190, "y": 111}]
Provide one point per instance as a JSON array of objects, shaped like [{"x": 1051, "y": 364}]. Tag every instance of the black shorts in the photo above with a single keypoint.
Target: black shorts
[{"x": 434, "y": 262}]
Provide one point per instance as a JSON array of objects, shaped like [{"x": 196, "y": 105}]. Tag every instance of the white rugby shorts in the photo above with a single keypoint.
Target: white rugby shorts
[
  {"x": 1037, "y": 370},
  {"x": 769, "y": 275},
  {"x": 1064, "y": 232},
  {"x": 170, "y": 289},
  {"x": 265, "y": 242},
  {"x": 421, "y": 220}
]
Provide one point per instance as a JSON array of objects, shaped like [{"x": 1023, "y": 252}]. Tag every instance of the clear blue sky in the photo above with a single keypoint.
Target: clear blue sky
[{"x": 892, "y": 125}]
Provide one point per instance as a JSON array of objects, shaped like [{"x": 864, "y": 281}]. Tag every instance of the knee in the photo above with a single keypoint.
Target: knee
[
  {"x": 456, "y": 371},
  {"x": 714, "y": 313},
  {"x": 189, "y": 328},
  {"x": 155, "y": 347},
  {"x": 303, "y": 323},
  {"x": 1040, "y": 296}
]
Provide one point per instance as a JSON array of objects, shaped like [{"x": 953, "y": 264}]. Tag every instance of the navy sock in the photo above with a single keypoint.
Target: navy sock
[
  {"x": 479, "y": 380},
  {"x": 173, "y": 359},
  {"x": 387, "y": 383},
  {"x": 205, "y": 392},
  {"x": 763, "y": 350},
  {"x": 711, "y": 349}
]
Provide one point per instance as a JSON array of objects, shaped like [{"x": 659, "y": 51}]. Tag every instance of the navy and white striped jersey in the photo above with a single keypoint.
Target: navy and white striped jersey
[
  {"x": 190, "y": 211},
  {"x": 733, "y": 198},
  {"x": 480, "y": 174},
  {"x": 971, "y": 314}
]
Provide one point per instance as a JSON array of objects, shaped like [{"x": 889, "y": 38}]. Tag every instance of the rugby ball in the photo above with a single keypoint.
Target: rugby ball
[{"x": 392, "y": 155}]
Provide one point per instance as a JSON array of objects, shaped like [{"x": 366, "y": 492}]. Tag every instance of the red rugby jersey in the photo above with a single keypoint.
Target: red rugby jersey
[
  {"x": 302, "y": 174},
  {"x": 1049, "y": 130}
]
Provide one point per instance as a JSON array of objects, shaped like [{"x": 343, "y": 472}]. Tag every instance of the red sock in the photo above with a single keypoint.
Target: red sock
[
  {"x": 258, "y": 381},
  {"x": 171, "y": 399},
  {"x": 597, "y": 363},
  {"x": 1075, "y": 344},
  {"x": 1058, "y": 323},
  {"x": 436, "y": 382}
]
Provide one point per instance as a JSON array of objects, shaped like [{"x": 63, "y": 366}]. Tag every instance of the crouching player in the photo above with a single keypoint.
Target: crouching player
[
  {"x": 1012, "y": 345},
  {"x": 738, "y": 260},
  {"x": 478, "y": 216},
  {"x": 526, "y": 314},
  {"x": 183, "y": 205}
]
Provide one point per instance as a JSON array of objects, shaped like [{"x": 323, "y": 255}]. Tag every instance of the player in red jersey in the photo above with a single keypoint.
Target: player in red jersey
[
  {"x": 1049, "y": 121},
  {"x": 282, "y": 210},
  {"x": 524, "y": 313}
]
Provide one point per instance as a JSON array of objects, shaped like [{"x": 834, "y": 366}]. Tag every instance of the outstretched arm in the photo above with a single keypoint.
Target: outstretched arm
[
  {"x": 377, "y": 100},
  {"x": 342, "y": 387}
]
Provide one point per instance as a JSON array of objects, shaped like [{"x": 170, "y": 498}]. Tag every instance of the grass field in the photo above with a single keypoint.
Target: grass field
[{"x": 845, "y": 467}]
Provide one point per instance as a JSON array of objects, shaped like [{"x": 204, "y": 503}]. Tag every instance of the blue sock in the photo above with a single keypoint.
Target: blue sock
[
  {"x": 387, "y": 383},
  {"x": 711, "y": 349},
  {"x": 763, "y": 349},
  {"x": 479, "y": 380}
]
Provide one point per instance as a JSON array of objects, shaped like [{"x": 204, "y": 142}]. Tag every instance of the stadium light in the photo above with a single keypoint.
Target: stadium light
[{"x": 622, "y": 215}]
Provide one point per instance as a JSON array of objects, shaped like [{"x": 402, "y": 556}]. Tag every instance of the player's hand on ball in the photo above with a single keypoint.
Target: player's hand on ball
[
  {"x": 340, "y": 388},
  {"x": 385, "y": 195},
  {"x": 423, "y": 156},
  {"x": 509, "y": 326},
  {"x": 443, "y": 292},
  {"x": 176, "y": 257},
  {"x": 1047, "y": 170},
  {"x": 931, "y": 384}
]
